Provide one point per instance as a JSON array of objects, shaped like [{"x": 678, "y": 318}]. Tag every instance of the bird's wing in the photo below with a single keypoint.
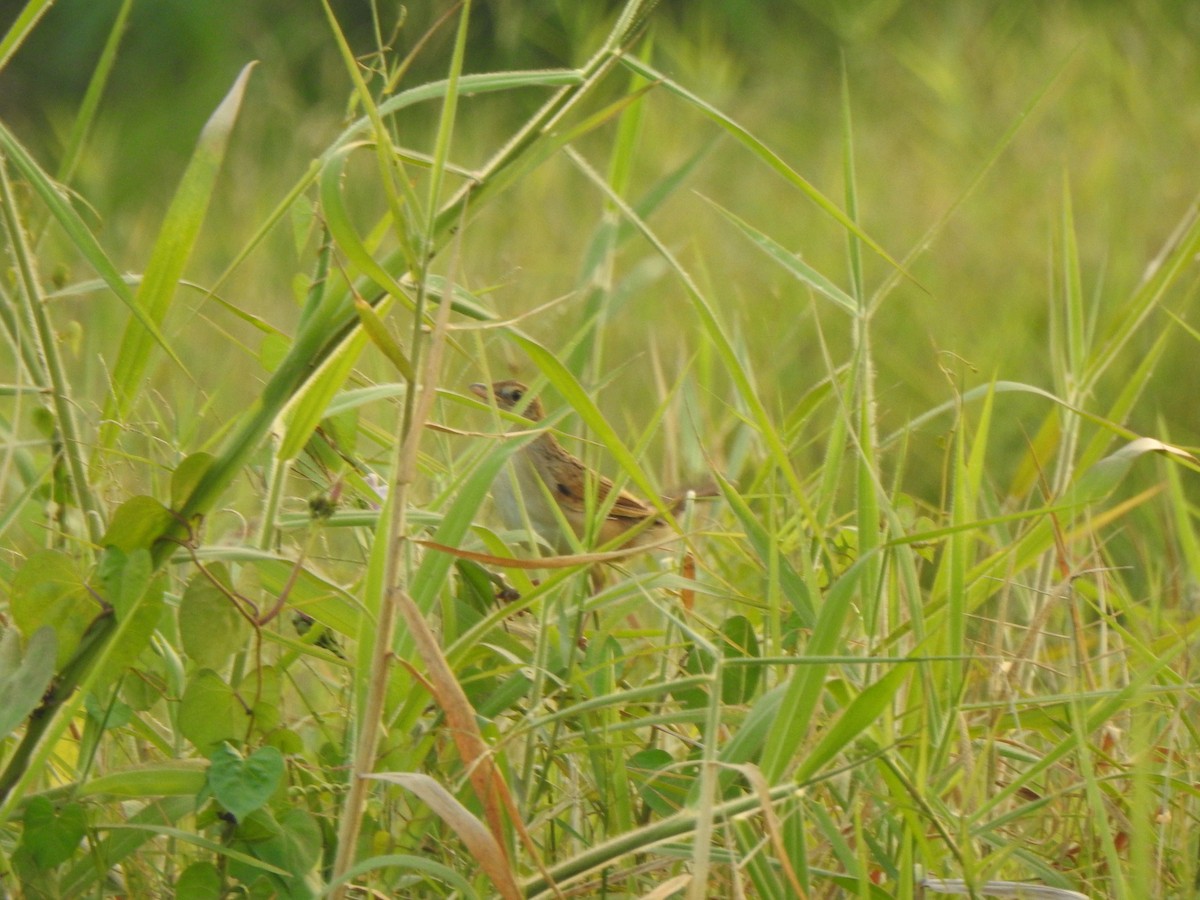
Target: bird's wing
[{"x": 571, "y": 495}]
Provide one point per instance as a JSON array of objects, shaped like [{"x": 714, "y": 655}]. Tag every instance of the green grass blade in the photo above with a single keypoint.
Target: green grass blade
[
  {"x": 1076, "y": 326},
  {"x": 174, "y": 245},
  {"x": 715, "y": 333},
  {"x": 21, "y": 27},
  {"x": 860, "y": 715},
  {"x": 309, "y": 405},
  {"x": 581, "y": 401},
  {"x": 790, "y": 728},
  {"x": 764, "y": 153},
  {"x": 337, "y": 219},
  {"x": 80, "y": 236},
  {"x": 1176, "y": 259},
  {"x": 48, "y": 361},
  {"x": 447, "y": 119},
  {"x": 91, "y": 99},
  {"x": 792, "y": 263},
  {"x": 393, "y": 180}
]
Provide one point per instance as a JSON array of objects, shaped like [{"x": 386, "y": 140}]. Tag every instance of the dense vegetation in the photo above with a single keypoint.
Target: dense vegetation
[{"x": 910, "y": 286}]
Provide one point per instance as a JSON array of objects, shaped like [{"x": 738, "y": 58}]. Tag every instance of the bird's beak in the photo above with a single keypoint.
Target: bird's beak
[{"x": 481, "y": 391}]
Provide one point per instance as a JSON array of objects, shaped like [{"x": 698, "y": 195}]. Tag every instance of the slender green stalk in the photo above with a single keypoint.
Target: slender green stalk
[
  {"x": 86, "y": 116},
  {"x": 706, "y": 807},
  {"x": 646, "y": 838},
  {"x": 21, "y": 27},
  {"x": 50, "y": 366},
  {"x": 417, "y": 406}
]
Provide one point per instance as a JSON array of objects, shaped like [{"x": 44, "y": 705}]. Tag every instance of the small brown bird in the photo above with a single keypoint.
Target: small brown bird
[{"x": 544, "y": 476}]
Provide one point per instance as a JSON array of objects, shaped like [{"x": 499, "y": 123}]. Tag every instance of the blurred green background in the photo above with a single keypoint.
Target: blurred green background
[{"x": 1109, "y": 92}]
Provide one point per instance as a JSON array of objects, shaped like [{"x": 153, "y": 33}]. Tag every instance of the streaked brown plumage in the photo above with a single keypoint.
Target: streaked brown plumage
[{"x": 543, "y": 472}]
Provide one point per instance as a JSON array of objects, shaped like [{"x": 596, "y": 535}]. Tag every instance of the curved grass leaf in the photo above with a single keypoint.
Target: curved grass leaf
[
  {"x": 21, "y": 28},
  {"x": 860, "y": 715},
  {"x": 176, "y": 238},
  {"x": 472, "y": 832},
  {"x": 55, "y": 198},
  {"x": 791, "y": 262},
  {"x": 402, "y": 861},
  {"x": 168, "y": 778},
  {"x": 766, "y": 154}
]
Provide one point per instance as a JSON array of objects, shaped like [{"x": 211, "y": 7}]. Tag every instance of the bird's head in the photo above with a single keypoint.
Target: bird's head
[{"x": 511, "y": 396}]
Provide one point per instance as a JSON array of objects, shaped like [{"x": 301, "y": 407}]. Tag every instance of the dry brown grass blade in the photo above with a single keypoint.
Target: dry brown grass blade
[
  {"x": 774, "y": 827},
  {"x": 542, "y": 562},
  {"x": 486, "y": 780},
  {"x": 687, "y": 596},
  {"x": 480, "y": 842},
  {"x": 669, "y": 888}
]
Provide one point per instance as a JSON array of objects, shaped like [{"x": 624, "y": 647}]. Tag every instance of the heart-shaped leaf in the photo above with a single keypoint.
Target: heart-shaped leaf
[
  {"x": 210, "y": 626},
  {"x": 136, "y": 523},
  {"x": 210, "y": 711},
  {"x": 199, "y": 881},
  {"x": 48, "y": 590},
  {"x": 244, "y": 784},
  {"x": 52, "y": 835}
]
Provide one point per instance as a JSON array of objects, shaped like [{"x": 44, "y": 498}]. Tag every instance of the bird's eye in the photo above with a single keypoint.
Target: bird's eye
[{"x": 514, "y": 395}]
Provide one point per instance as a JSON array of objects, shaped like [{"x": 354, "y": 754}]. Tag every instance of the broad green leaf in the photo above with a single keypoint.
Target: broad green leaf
[
  {"x": 211, "y": 629},
  {"x": 738, "y": 641},
  {"x": 111, "y": 713},
  {"x": 24, "y": 678},
  {"x": 199, "y": 881},
  {"x": 700, "y": 660},
  {"x": 210, "y": 713},
  {"x": 123, "y": 578},
  {"x": 49, "y": 591},
  {"x": 53, "y": 835},
  {"x": 295, "y": 847},
  {"x": 268, "y": 704},
  {"x": 308, "y": 592},
  {"x": 244, "y": 784},
  {"x": 136, "y": 524}
]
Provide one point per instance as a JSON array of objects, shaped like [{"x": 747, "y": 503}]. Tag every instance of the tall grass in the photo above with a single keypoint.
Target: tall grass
[{"x": 266, "y": 652}]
